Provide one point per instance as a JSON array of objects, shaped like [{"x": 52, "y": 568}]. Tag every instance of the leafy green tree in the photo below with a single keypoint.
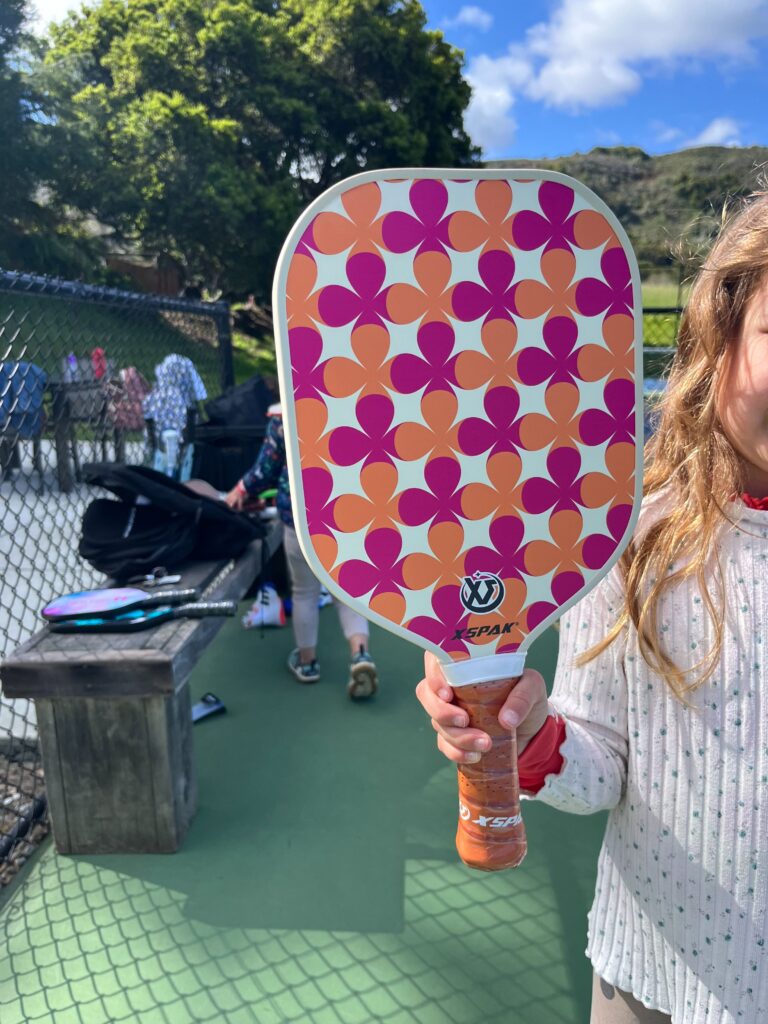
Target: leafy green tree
[
  {"x": 35, "y": 234},
  {"x": 202, "y": 127}
]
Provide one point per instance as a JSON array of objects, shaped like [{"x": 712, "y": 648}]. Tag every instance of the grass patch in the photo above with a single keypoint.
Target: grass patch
[{"x": 253, "y": 355}]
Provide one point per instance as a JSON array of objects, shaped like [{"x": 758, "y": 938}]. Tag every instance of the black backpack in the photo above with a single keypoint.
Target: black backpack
[
  {"x": 243, "y": 405},
  {"x": 156, "y": 521}
]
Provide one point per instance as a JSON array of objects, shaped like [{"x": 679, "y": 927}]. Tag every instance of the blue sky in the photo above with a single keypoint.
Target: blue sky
[{"x": 552, "y": 77}]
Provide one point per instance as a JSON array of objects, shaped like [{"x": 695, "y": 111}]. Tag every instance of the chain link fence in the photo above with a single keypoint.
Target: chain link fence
[{"x": 77, "y": 366}]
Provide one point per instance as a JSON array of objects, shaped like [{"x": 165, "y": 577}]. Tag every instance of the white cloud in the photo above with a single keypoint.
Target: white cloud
[
  {"x": 665, "y": 132},
  {"x": 593, "y": 53},
  {"x": 721, "y": 131},
  {"x": 495, "y": 81},
  {"x": 472, "y": 17}
]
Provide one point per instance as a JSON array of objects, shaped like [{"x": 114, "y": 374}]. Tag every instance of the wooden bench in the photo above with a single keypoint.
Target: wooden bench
[{"x": 114, "y": 718}]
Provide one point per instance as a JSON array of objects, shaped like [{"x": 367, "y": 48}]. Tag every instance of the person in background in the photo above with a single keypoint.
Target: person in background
[
  {"x": 271, "y": 470},
  {"x": 659, "y": 709}
]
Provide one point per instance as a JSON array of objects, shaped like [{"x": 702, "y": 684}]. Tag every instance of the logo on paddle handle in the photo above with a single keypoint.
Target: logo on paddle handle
[{"x": 482, "y": 592}]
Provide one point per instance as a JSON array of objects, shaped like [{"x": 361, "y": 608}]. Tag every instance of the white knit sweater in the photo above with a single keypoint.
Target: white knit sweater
[{"x": 679, "y": 916}]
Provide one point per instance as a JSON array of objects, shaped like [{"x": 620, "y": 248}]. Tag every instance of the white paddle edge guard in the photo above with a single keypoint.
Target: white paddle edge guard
[
  {"x": 285, "y": 379},
  {"x": 483, "y": 670}
]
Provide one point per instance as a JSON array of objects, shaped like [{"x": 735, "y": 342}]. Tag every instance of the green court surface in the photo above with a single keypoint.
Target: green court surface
[{"x": 319, "y": 882}]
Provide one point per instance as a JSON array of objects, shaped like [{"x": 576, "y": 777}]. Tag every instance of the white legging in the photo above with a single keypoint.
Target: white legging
[{"x": 305, "y": 593}]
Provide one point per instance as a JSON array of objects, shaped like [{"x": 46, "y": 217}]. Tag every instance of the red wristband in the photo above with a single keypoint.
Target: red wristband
[{"x": 542, "y": 756}]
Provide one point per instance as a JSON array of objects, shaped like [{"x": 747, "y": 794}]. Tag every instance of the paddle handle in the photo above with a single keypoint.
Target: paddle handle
[
  {"x": 205, "y": 608},
  {"x": 491, "y": 833}
]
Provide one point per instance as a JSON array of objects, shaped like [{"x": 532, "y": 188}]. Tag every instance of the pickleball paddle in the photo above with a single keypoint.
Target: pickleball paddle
[
  {"x": 143, "y": 618},
  {"x": 111, "y": 601},
  {"x": 460, "y": 365}
]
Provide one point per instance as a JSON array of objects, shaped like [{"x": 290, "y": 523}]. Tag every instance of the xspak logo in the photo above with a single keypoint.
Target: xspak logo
[{"x": 482, "y": 592}]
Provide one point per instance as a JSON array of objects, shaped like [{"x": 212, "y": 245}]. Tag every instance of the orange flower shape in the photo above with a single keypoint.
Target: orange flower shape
[
  {"x": 327, "y": 550},
  {"x": 499, "y": 497},
  {"x": 431, "y": 301},
  {"x": 437, "y": 436},
  {"x": 617, "y": 486},
  {"x": 497, "y": 368},
  {"x": 555, "y": 298},
  {"x": 300, "y": 296},
  {"x": 616, "y": 362},
  {"x": 561, "y": 427},
  {"x": 565, "y": 554},
  {"x": 444, "y": 567},
  {"x": 390, "y": 606},
  {"x": 490, "y": 627},
  {"x": 591, "y": 230},
  {"x": 378, "y": 509},
  {"x": 360, "y": 230},
  {"x": 311, "y": 421},
  {"x": 493, "y": 228},
  {"x": 369, "y": 374}
]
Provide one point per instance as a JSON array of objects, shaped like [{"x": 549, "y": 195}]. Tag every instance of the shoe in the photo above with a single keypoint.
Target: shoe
[
  {"x": 308, "y": 672},
  {"x": 363, "y": 680}
]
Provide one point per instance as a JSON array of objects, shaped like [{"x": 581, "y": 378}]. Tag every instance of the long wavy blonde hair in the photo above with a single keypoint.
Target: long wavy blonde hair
[{"x": 689, "y": 453}]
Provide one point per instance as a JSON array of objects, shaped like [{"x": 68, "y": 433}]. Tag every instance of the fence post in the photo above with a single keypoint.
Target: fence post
[{"x": 226, "y": 361}]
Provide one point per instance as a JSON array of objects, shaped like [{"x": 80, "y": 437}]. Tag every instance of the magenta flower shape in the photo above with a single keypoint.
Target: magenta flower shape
[
  {"x": 365, "y": 303},
  {"x": 318, "y": 486},
  {"x": 374, "y": 441},
  {"x": 614, "y": 294},
  {"x": 563, "y": 488},
  {"x": 553, "y": 228},
  {"x": 451, "y": 617},
  {"x": 537, "y": 612},
  {"x": 564, "y": 585},
  {"x": 618, "y": 423},
  {"x": 307, "y": 242},
  {"x": 441, "y": 502},
  {"x": 500, "y": 432},
  {"x": 598, "y": 547},
  {"x": 428, "y": 229},
  {"x": 506, "y": 559},
  {"x": 306, "y": 347},
  {"x": 559, "y": 361},
  {"x": 381, "y": 573},
  {"x": 495, "y": 298},
  {"x": 436, "y": 371}
]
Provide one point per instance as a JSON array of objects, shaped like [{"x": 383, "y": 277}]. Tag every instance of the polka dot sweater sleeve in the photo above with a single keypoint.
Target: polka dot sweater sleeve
[{"x": 593, "y": 700}]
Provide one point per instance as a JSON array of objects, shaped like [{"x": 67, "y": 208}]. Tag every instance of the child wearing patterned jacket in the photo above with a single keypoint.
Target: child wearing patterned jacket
[
  {"x": 271, "y": 470},
  {"x": 659, "y": 708}
]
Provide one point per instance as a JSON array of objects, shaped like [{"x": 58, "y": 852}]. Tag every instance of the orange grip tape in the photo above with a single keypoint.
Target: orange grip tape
[{"x": 491, "y": 833}]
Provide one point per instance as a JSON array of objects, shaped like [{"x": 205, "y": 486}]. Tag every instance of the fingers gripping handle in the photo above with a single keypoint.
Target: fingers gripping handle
[{"x": 491, "y": 833}]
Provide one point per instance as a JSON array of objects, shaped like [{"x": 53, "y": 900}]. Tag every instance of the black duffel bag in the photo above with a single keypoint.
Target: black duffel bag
[{"x": 156, "y": 521}]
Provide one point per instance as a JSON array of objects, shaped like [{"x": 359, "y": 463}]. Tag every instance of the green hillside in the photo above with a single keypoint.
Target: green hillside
[{"x": 670, "y": 205}]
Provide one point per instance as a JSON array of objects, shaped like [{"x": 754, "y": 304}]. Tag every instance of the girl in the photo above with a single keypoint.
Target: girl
[
  {"x": 658, "y": 710},
  {"x": 269, "y": 470}
]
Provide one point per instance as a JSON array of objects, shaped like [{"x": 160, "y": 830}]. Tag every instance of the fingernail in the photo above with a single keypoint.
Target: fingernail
[
  {"x": 472, "y": 758},
  {"x": 482, "y": 745},
  {"x": 445, "y": 694},
  {"x": 459, "y": 722},
  {"x": 510, "y": 719}
]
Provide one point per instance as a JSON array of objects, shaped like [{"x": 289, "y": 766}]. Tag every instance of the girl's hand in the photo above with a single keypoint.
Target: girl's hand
[
  {"x": 527, "y": 704},
  {"x": 236, "y": 497}
]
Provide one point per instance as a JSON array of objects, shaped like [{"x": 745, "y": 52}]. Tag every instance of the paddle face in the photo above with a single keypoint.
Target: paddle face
[
  {"x": 460, "y": 366},
  {"x": 142, "y": 618},
  {"x": 109, "y": 602}
]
